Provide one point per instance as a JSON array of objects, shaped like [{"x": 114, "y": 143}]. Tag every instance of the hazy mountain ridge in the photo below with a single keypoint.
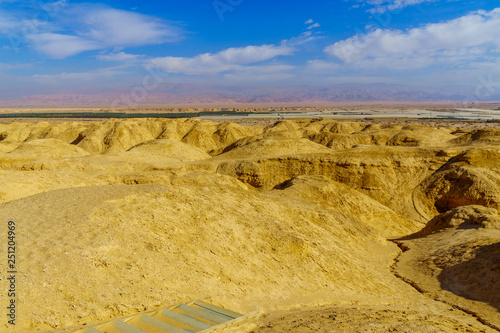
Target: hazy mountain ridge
[{"x": 177, "y": 94}]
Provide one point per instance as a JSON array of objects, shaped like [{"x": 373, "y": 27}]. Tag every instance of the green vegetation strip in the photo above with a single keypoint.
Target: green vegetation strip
[{"x": 107, "y": 115}]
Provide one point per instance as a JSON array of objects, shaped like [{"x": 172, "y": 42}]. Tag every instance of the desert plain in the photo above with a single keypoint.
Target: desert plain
[{"x": 321, "y": 225}]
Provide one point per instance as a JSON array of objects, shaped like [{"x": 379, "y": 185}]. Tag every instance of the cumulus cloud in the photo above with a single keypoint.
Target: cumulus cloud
[
  {"x": 231, "y": 59},
  {"x": 463, "y": 39}
]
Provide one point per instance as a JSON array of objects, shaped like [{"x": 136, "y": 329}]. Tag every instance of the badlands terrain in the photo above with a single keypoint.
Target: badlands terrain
[{"x": 322, "y": 226}]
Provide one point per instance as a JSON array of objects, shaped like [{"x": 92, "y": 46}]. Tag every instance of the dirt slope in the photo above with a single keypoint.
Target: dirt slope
[{"x": 294, "y": 219}]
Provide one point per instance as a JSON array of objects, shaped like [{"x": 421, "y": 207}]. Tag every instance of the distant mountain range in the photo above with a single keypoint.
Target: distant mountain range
[{"x": 188, "y": 94}]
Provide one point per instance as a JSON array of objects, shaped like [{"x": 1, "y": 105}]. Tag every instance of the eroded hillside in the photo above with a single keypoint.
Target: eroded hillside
[{"x": 119, "y": 216}]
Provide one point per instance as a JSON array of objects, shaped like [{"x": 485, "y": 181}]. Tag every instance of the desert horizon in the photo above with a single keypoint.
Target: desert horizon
[{"x": 235, "y": 166}]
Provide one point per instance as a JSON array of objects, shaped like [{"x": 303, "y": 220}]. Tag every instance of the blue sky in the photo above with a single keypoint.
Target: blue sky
[{"x": 50, "y": 47}]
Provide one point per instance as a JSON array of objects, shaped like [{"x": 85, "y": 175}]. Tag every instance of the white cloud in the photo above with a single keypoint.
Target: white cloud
[
  {"x": 391, "y": 5},
  {"x": 228, "y": 60},
  {"x": 309, "y": 21},
  {"x": 305, "y": 37},
  {"x": 77, "y": 28},
  {"x": 60, "y": 46},
  {"x": 114, "y": 27},
  {"x": 118, "y": 56},
  {"x": 467, "y": 38},
  {"x": 322, "y": 67}
]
